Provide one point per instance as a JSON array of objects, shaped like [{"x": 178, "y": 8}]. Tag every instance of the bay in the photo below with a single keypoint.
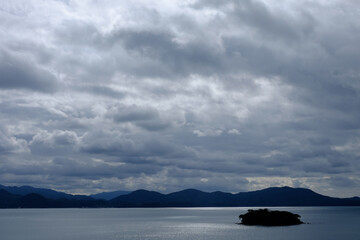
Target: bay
[{"x": 173, "y": 223}]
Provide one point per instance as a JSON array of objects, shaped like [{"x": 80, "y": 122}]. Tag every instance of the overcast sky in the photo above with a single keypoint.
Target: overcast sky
[{"x": 167, "y": 95}]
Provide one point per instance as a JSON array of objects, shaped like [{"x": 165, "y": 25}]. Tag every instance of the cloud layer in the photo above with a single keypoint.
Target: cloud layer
[{"x": 217, "y": 95}]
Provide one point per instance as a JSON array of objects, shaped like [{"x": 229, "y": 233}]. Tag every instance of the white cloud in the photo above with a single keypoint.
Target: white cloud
[{"x": 234, "y": 132}]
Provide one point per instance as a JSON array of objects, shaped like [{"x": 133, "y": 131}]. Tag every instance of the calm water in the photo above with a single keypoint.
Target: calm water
[{"x": 328, "y": 223}]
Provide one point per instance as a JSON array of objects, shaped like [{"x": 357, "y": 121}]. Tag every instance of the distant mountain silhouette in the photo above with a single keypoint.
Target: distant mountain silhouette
[
  {"x": 47, "y": 193},
  {"x": 283, "y": 196},
  {"x": 109, "y": 195},
  {"x": 286, "y": 196},
  {"x": 34, "y": 200},
  {"x": 8, "y": 200},
  {"x": 139, "y": 198}
]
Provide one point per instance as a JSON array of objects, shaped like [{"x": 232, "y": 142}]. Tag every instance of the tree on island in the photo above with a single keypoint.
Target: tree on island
[{"x": 265, "y": 217}]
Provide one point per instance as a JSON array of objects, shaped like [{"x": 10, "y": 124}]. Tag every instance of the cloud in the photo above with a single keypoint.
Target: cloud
[
  {"x": 208, "y": 133},
  {"x": 22, "y": 74},
  {"x": 54, "y": 143},
  {"x": 169, "y": 58},
  {"x": 217, "y": 95},
  {"x": 147, "y": 118},
  {"x": 234, "y": 131},
  {"x": 11, "y": 144}
]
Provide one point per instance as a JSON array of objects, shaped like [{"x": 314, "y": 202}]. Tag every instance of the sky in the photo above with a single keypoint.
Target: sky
[{"x": 167, "y": 95}]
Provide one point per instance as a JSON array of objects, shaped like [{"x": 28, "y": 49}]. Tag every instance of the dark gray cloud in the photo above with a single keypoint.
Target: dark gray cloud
[
  {"x": 105, "y": 91},
  {"x": 218, "y": 95},
  {"x": 20, "y": 74},
  {"x": 145, "y": 117},
  {"x": 172, "y": 59}
]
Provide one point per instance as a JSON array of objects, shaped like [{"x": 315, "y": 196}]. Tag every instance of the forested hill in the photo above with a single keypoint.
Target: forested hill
[{"x": 283, "y": 196}]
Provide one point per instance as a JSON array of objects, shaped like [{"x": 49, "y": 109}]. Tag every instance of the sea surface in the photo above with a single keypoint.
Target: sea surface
[{"x": 327, "y": 223}]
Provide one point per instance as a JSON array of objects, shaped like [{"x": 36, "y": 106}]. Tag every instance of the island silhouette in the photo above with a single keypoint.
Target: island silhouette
[{"x": 265, "y": 217}]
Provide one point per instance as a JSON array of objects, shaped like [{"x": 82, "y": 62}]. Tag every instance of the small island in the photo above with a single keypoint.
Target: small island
[{"x": 265, "y": 217}]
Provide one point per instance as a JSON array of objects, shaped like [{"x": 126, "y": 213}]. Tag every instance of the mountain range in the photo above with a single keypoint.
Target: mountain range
[
  {"x": 52, "y": 194},
  {"x": 29, "y": 197}
]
